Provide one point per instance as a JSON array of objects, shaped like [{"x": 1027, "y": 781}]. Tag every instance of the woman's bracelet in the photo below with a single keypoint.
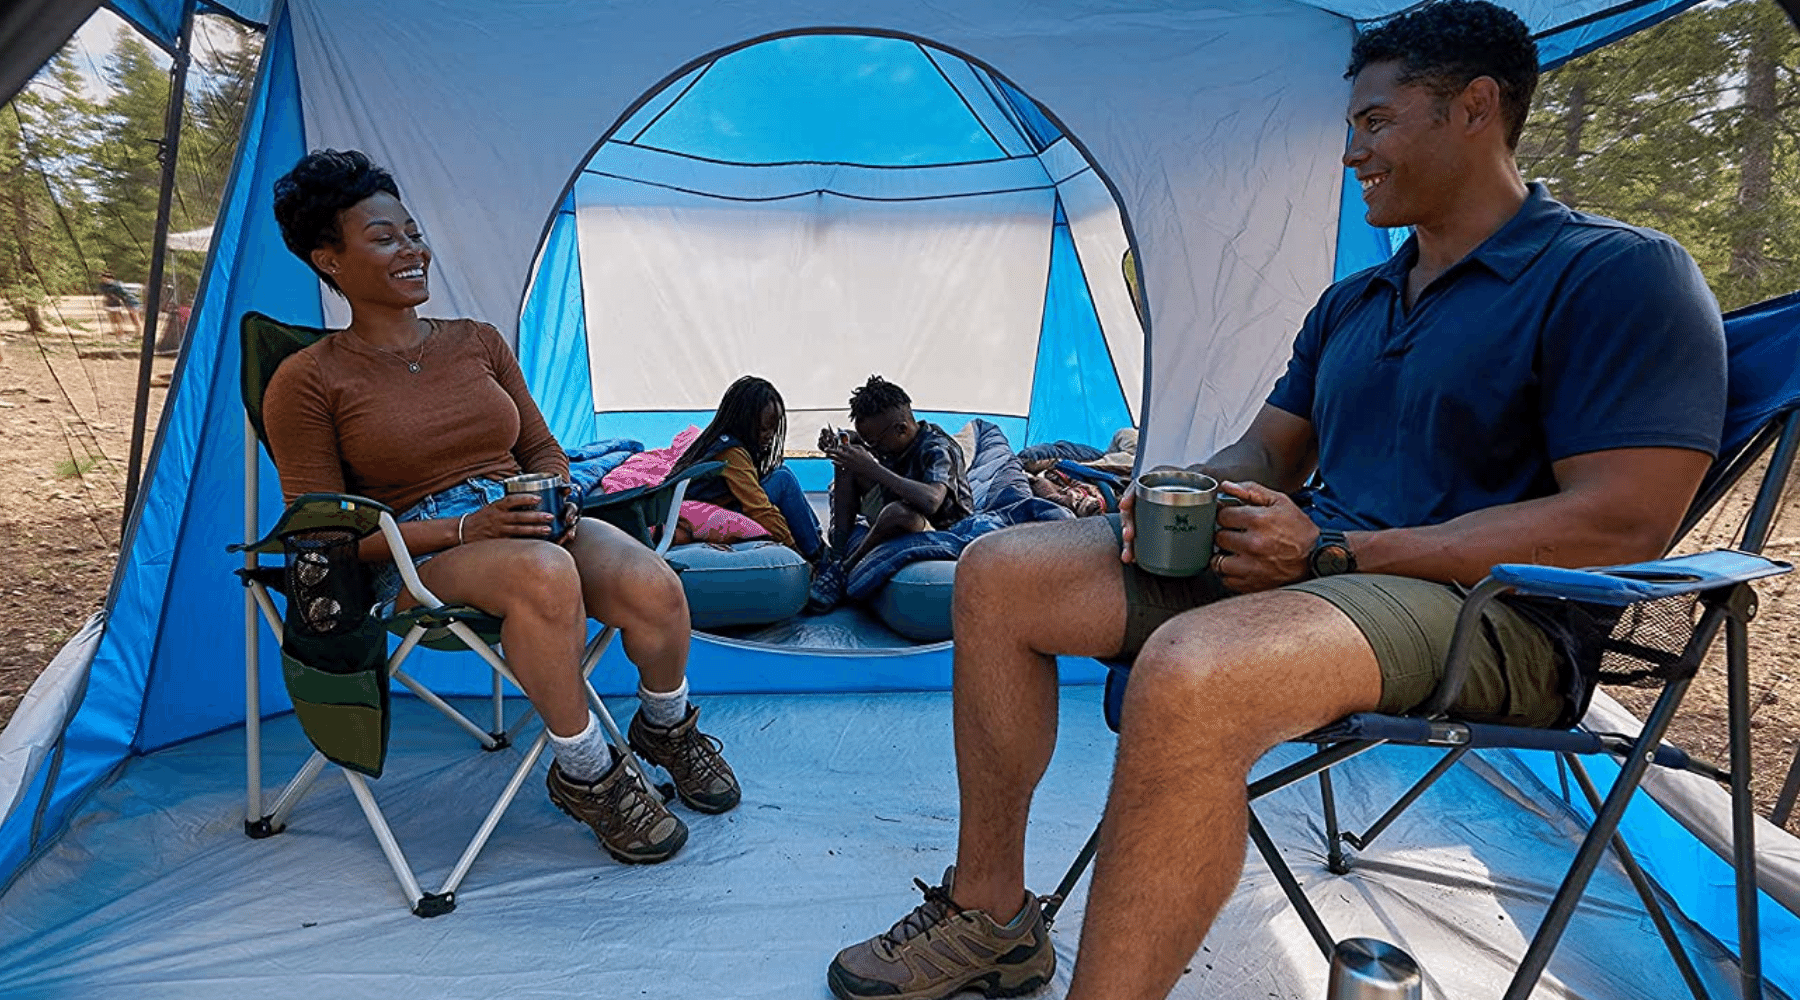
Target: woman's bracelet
[{"x": 459, "y": 527}]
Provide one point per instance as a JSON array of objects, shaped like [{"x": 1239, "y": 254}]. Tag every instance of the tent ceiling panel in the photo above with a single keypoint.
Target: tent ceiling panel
[
  {"x": 657, "y": 170},
  {"x": 1217, "y": 159},
  {"x": 944, "y": 297},
  {"x": 812, "y": 97}
]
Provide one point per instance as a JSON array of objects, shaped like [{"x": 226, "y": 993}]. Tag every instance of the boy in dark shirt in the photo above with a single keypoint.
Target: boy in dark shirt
[{"x": 899, "y": 473}]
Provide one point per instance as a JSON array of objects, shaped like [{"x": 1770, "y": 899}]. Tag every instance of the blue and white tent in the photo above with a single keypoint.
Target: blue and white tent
[{"x": 649, "y": 199}]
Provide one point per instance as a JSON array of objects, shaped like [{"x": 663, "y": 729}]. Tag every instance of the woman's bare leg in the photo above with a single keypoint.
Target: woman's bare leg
[
  {"x": 535, "y": 588},
  {"x": 632, "y": 587}
]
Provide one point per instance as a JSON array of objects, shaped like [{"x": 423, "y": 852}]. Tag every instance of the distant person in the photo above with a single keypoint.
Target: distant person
[
  {"x": 896, "y": 474},
  {"x": 749, "y": 434},
  {"x": 121, "y": 305}
]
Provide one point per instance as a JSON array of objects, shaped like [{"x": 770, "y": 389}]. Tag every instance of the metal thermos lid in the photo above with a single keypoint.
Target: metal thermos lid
[{"x": 1367, "y": 969}]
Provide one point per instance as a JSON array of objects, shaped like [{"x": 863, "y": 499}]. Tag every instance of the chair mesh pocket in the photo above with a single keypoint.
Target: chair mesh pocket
[
  {"x": 1641, "y": 645},
  {"x": 327, "y": 585}
]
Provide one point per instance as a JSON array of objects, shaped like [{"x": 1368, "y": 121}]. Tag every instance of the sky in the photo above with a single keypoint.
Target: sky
[{"x": 95, "y": 39}]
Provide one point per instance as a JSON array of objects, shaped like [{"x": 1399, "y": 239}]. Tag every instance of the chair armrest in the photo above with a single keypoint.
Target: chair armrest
[
  {"x": 638, "y": 510},
  {"x": 1645, "y": 581},
  {"x": 1619, "y": 586},
  {"x": 319, "y": 510}
]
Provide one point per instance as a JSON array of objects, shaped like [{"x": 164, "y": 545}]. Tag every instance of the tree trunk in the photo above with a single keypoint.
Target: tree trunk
[
  {"x": 1574, "y": 123},
  {"x": 1756, "y": 167}
]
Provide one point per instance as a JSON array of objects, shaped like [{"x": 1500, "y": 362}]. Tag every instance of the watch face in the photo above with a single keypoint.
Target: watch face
[{"x": 1330, "y": 561}]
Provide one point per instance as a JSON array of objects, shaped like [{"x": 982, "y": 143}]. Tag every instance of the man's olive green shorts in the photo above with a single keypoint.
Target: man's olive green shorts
[{"x": 1515, "y": 673}]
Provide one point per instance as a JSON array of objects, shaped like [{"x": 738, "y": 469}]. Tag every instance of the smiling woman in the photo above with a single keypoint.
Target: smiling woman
[{"x": 428, "y": 416}]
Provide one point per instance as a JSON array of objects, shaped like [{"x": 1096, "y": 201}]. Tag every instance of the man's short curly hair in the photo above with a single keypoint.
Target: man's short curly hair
[
  {"x": 1444, "y": 45},
  {"x": 876, "y": 396},
  {"x": 309, "y": 197}
]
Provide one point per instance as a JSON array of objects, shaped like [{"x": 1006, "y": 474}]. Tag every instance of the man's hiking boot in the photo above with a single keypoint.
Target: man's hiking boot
[
  {"x": 632, "y": 823},
  {"x": 702, "y": 778},
  {"x": 940, "y": 949}
]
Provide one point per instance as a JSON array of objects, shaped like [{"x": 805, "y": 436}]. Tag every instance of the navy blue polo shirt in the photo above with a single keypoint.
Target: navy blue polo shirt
[{"x": 1563, "y": 333}]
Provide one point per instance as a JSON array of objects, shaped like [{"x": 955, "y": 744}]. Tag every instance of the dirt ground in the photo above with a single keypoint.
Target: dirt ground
[{"x": 65, "y": 411}]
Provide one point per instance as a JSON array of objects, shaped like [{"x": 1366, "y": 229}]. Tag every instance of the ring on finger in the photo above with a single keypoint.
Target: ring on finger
[{"x": 1218, "y": 563}]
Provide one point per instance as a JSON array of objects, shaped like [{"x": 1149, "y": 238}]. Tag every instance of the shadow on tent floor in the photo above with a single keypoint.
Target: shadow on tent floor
[{"x": 155, "y": 891}]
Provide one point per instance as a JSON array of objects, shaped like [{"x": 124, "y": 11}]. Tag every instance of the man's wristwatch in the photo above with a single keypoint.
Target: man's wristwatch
[{"x": 1331, "y": 554}]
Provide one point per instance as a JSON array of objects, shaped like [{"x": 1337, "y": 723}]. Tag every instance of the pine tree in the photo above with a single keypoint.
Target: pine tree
[{"x": 43, "y": 135}]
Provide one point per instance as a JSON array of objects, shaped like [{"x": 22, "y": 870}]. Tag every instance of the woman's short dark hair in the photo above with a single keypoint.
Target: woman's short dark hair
[
  {"x": 1444, "y": 45},
  {"x": 875, "y": 396},
  {"x": 309, "y": 198}
]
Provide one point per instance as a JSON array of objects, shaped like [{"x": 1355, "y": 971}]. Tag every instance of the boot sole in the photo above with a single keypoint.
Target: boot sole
[
  {"x": 991, "y": 984},
  {"x": 624, "y": 857}
]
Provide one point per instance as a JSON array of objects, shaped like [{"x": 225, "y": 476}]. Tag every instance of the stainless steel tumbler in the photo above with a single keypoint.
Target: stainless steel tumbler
[
  {"x": 1367, "y": 969},
  {"x": 551, "y": 493}
]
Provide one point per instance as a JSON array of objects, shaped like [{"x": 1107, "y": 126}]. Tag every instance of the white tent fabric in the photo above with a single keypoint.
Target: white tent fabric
[
  {"x": 192, "y": 241},
  {"x": 813, "y": 293},
  {"x": 1235, "y": 237}
]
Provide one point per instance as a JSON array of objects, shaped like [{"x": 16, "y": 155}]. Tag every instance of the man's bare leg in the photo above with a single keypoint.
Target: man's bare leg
[
  {"x": 1022, "y": 595},
  {"x": 1212, "y": 691}
]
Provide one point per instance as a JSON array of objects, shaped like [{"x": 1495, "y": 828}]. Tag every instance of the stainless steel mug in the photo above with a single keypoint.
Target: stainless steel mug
[
  {"x": 1367, "y": 969},
  {"x": 1173, "y": 521},
  {"x": 551, "y": 492}
]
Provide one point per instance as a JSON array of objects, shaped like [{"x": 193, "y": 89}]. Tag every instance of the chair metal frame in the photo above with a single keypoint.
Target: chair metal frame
[
  {"x": 1726, "y": 601},
  {"x": 438, "y": 621}
]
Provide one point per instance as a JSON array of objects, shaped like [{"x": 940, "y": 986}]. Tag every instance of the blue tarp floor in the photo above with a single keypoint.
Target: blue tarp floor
[{"x": 155, "y": 891}]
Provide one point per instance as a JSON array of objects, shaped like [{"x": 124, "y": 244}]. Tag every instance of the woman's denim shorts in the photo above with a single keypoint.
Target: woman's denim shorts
[{"x": 455, "y": 501}]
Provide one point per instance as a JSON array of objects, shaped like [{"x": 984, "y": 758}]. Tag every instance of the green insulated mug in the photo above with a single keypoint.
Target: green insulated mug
[{"x": 1173, "y": 521}]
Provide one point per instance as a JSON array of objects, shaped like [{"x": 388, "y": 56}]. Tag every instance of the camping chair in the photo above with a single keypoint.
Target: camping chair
[
  {"x": 349, "y": 709},
  {"x": 1653, "y": 622}
]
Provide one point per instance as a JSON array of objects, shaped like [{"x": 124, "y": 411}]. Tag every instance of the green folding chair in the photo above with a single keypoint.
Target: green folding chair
[{"x": 334, "y": 649}]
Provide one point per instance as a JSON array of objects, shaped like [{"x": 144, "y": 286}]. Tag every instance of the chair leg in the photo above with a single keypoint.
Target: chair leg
[
  {"x": 430, "y": 697},
  {"x": 1790, "y": 790},
  {"x": 1083, "y": 858},
  {"x": 1284, "y": 877},
  {"x": 492, "y": 820},
  {"x": 1444, "y": 764},
  {"x": 416, "y": 899},
  {"x": 1743, "y": 809},
  {"x": 1640, "y": 882},
  {"x": 1334, "y": 847},
  {"x": 1600, "y": 833},
  {"x": 297, "y": 787}
]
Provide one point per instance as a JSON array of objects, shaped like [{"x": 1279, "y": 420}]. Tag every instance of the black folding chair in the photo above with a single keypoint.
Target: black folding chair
[{"x": 1653, "y": 624}]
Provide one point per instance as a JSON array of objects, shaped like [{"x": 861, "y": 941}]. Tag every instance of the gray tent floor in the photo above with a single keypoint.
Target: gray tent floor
[{"x": 155, "y": 891}]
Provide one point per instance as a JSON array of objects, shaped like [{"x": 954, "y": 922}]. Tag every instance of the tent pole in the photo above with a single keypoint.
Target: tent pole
[{"x": 166, "y": 153}]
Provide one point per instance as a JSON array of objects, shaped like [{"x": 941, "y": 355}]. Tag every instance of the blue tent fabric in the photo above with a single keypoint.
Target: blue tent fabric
[{"x": 1765, "y": 371}]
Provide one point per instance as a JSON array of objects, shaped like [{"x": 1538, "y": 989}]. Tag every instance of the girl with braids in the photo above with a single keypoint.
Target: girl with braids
[
  {"x": 428, "y": 416},
  {"x": 748, "y": 434}
]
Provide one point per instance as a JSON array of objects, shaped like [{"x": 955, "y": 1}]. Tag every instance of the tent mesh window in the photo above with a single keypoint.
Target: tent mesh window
[{"x": 327, "y": 584}]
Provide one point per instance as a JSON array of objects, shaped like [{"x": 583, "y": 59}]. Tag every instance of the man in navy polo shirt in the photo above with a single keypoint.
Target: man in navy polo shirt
[{"x": 1520, "y": 383}]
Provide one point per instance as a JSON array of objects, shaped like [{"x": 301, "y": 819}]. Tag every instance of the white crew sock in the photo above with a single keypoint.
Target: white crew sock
[
  {"x": 663, "y": 708},
  {"x": 585, "y": 756}
]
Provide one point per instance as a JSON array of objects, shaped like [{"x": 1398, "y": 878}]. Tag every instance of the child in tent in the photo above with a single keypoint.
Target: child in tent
[
  {"x": 896, "y": 474},
  {"x": 747, "y": 434}
]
